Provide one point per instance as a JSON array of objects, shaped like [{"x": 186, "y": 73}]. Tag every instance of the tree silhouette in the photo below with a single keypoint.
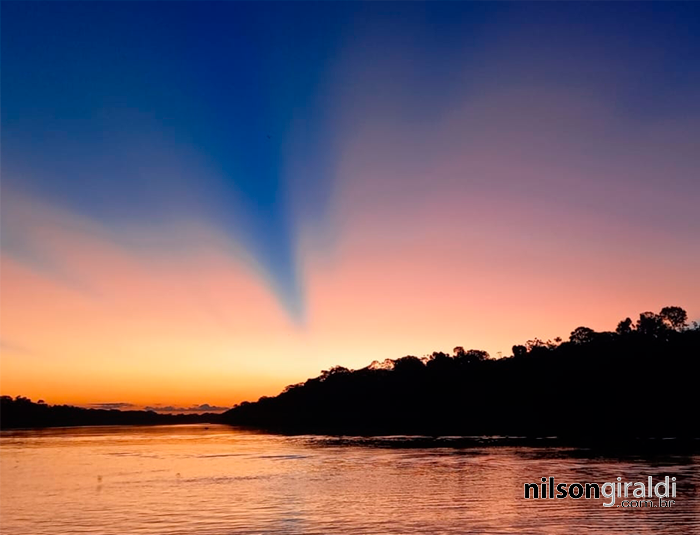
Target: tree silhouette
[
  {"x": 409, "y": 364},
  {"x": 519, "y": 351},
  {"x": 650, "y": 324},
  {"x": 335, "y": 370},
  {"x": 534, "y": 344},
  {"x": 439, "y": 361},
  {"x": 471, "y": 356},
  {"x": 582, "y": 335},
  {"x": 674, "y": 317},
  {"x": 624, "y": 327}
]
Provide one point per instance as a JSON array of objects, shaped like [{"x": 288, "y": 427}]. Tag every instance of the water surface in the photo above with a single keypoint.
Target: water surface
[{"x": 212, "y": 479}]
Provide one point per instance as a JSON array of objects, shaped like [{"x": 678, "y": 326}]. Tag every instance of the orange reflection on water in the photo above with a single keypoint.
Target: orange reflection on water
[{"x": 215, "y": 479}]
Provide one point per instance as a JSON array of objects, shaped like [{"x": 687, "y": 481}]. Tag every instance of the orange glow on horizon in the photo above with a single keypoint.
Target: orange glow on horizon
[
  {"x": 144, "y": 329},
  {"x": 420, "y": 260}
]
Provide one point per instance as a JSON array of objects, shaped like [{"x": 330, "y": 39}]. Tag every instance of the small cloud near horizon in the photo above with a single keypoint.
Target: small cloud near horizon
[
  {"x": 117, "y": 405},
  {"x": 204, "y": 407}
]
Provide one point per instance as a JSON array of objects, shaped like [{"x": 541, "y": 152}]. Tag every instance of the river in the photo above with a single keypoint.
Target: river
[{"x": 212, "y": 479}]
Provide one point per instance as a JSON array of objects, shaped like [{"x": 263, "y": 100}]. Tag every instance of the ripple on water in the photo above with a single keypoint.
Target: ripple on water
[{"x": 220, "y": 480}]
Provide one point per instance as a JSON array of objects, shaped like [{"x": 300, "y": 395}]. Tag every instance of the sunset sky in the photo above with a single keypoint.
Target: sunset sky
[{"x": 205, "y": 202}]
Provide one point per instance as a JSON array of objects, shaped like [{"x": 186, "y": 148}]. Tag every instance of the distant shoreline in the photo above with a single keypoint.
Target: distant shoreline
[{"x": 23, "y": 413}]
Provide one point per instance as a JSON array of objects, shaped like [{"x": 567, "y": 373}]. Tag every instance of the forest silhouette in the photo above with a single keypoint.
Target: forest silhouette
[
  {"x": 639, "y": 381},
  {"x": 22, "y": 412}
]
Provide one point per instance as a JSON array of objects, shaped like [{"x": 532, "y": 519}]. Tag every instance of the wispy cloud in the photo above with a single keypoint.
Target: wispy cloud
[
  {"x": 204, "y": 407},
  {"x": 120, "y": 405}
]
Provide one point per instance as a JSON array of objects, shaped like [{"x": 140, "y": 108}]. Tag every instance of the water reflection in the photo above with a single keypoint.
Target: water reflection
[{"x": 214, "y": 479}]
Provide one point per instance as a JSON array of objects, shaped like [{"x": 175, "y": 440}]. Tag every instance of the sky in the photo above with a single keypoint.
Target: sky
[{"x": 202, "y": 203}]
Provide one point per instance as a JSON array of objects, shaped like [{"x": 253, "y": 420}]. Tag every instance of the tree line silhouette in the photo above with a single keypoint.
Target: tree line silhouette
[
  {"x": 22, "y": 412},
  {"x": 638, "y": 381}
]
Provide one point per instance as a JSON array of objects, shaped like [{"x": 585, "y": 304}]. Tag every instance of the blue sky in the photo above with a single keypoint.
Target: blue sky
[{"x": 146, "y": 114}]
